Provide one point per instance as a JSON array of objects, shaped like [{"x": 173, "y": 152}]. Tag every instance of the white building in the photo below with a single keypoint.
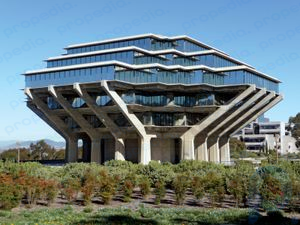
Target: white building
[{"x": 263, "y": 135}]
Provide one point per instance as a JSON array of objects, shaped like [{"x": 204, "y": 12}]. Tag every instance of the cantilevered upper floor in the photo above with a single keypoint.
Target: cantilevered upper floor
[{"x": 148, "y": 58}]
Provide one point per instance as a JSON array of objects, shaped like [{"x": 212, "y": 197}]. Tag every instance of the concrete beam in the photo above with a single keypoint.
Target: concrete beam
[
  {"x": 119, "y": 149},
  {"x": 145, "y": 150},
  {"x": 188, "y": 136},
  {"x": 96, "y": 151},
  {"x": 59, "y": 123},
  {"x": 201, "y": 152},
  {"x": 251, "y": 114},
  {"x": 145, "y": 139},
  {"x": 238, "y": 111},
  {"x": 100, "y": 114},
  {"x": 71, "y": 154},
  {"x": 224, "y": 150},
  {"x": 187, "y": 147},
  {"x": 77, "y": 117}
]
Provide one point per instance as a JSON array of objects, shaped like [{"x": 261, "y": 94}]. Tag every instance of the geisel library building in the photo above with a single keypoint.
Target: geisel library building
[{"x": 148, "y": 97}]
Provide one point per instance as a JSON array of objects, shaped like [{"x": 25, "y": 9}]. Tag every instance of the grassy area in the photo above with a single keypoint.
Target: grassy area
[
  {"x": 125, "y": 215},
  {"x": 141, "y": 215}
]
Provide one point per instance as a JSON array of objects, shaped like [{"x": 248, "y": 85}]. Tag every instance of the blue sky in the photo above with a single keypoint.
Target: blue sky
[{"x": 263, "y": 33}]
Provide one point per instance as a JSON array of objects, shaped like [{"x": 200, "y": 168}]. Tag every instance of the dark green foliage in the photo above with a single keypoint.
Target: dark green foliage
[
  {"x": 128, "y": 186},
  {"x": 214, "y": 186},
  {"x": 295, "y": 128},
  {"x": 198, "y": 187},
  {"x": 159, "y": 191},
  {"x": 88, "y": 186},
  {"x": 180, "y": 185},
  {"x": 145, "y": 186},
  {"x": 157, "y": 172}
]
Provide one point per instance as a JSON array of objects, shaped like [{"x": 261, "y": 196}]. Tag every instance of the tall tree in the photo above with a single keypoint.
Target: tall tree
[{"x": 295, "y": 128}]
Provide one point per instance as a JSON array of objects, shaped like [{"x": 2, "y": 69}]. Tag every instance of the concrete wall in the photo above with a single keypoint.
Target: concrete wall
[{"x": 163, "y": 149}]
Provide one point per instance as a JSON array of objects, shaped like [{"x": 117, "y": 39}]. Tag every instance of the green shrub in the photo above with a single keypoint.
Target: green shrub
[
  {"x": 180, "y": 185},
  {"x": 157, "y": 172},
  {"x": 145, "y": 186},
  {"x": 88, "y": 186},
  {"x": 159, "y": 191},
  {"x": 88, "y": 210},
  {"x": 214, "y": 186},
  {"x": 198, "y": 187},
  {"x": 106, "y": 186},
  {"x": 128, "y": 186}
]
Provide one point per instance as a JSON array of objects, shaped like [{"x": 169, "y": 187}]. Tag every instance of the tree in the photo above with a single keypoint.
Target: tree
[
  {"x": 296, "y": 128},
  {"x": 237, "y": 148},
  {"x": 41, "y": 150},
  {"x": 12, "y": 154}
]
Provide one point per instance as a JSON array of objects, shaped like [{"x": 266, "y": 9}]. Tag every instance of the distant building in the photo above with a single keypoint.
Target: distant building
[
  {"x": 262, "y": 135},
  {"x": 148, "y": 97}
]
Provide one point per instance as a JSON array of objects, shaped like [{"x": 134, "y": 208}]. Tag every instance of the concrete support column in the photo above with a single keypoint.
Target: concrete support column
[
  {"x": 119, "y": 149},
  {"x": 96, "y": 151},
  {"x": 145, "y": 150},
  {"x": 187, "y": 147},
  {"x": 224, "y": 149},
  {"x": 201, "y": 152},
  {"x": 213, "y": 149},
  {"x": 71, "y": 154}
]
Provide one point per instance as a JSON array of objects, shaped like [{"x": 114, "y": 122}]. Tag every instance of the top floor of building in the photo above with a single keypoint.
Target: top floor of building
[{"x": 148, "y": 58}]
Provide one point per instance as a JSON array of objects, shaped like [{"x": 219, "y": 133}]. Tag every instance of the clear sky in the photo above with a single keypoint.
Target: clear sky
[{"x": 263, "y": 33}]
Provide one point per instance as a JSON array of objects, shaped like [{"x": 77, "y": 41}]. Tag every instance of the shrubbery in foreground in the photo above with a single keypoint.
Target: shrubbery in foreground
[{"x": 30, "y": 183}]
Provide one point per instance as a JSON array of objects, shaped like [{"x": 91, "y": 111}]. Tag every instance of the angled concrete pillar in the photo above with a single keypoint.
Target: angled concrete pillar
[
  {"x": 71, "y": 153},
  {"x": 187, "y": 147},
  {"x": 96, "y": 151},
  {"x": 224, "y": 150},
  {"x": 119, "y": 149},
  {"x": 211, "y": 119},
  {"x": 213, "y": 149},
  {"x": 145, "y": 150},
  {"x": 76, "y": 116},
  {"x": 145, "y": 139},
  {"x": 105, "y": 119},
  {"x": 262, "y": 106},
  {"x": 201, "y": 152}
]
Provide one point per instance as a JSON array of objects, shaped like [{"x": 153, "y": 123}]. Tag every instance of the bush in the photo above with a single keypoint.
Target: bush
[
  {"x": 10, "y": 193},
  {"x": 49, "y": 189},
  {"x": 70, "y": 188},
  {"x": 145, "y": 186},
  {"x": 88, "y": 186},
  {"x": 198, "y": 187},
  {"x": 128, "y": 186},
  {"x": 180, "y": 185},
  {"x": 106, "y": 187},
  {"x": 159, "y": 191},
  {"x": 214, "y": 186},
  {"x": 157, "y": 172},
  {"x": 31, "y": 186}
]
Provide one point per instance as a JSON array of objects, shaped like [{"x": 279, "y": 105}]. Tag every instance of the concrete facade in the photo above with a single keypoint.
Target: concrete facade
[{"x": 167, "y": 99}]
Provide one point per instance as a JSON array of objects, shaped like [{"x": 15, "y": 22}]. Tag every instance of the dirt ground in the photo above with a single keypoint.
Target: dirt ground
[{"x": 167, "y": 202}]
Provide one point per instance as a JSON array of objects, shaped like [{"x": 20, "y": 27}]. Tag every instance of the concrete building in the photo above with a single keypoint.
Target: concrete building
[
  {"x": 148, "y": 97},
  {"x": 263, "y": 135}
]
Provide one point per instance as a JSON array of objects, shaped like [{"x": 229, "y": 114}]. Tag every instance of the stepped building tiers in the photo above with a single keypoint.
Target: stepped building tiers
[{"x": 148, "y": 97}]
